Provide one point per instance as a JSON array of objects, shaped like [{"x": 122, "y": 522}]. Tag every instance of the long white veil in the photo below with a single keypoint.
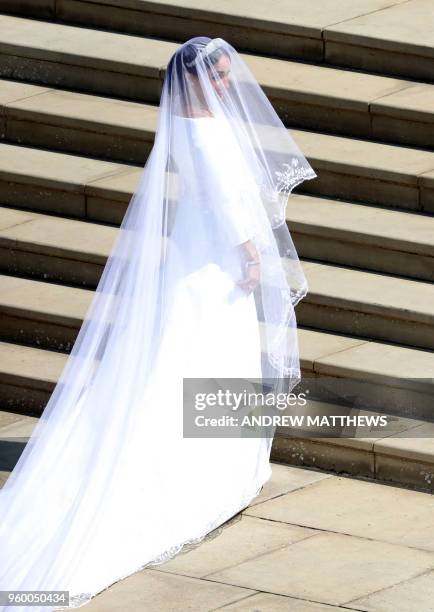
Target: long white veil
[
  {"x": 273, "y": 164},
  {"x": 84, "y": 432}
]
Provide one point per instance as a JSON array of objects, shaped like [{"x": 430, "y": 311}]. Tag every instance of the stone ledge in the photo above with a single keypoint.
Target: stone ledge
[
  {"x": 408, "y": 461},
  {"x": 395, "y": 370}
]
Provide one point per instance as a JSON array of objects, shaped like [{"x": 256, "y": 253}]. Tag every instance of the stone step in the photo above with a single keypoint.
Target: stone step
[
  {"x": 403, "y": 455},
  {"x": 369, "y": 304},
  {"x": 67, "y": 121},
  {"x": 53, "y": 248},
  {"x": 28, "y": 376},
  {"x": 75, "y": 251},
  {"x": 124, "y": 130},
  {"x": 79, "y": 58},
  {"x": 390, "y": 37},
  {"x": 368, "y": 237},
  {"x": 396, "y": 379},
  {"x": 340, "y": 299},
  {"x": 402, "y": 452},
  {"x": 305, "y": 96},
  {"x": 41, "y": 314},
  {"x": 43, "y": 180},
  {"x": 15, "y": 430},
  {"x": 351, "y": 169},
  {"x": 404, "y": 458}
]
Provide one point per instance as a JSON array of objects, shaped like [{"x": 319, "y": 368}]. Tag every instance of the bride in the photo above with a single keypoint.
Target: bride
[{"x": 201, "y": 283}]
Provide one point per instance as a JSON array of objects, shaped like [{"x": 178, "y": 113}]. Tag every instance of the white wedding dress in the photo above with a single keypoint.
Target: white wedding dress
[{"x": 166, "y": 490}]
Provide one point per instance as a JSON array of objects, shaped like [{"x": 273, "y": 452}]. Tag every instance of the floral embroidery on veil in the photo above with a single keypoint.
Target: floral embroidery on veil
[{"x": 292, "y": 175}]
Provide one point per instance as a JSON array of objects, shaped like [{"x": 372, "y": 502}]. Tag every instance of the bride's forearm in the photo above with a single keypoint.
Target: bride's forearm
[
  {"x": 249, "y": 251},
  {"x": 252, "y": 272}
]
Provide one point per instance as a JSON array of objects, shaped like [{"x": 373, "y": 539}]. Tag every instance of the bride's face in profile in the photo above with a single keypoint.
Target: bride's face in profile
[
  {"x": 221, "y": 80},
  {"x": 219, "y": 77}
]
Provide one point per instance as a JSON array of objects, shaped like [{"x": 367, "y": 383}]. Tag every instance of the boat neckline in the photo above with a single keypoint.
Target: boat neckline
[{"x": 192, "y": 118}]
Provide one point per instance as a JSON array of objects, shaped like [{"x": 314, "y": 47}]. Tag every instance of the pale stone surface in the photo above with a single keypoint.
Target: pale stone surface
[
  {"x": 67, "y": 305},
  {"x": 21, "y": 429},
  {"x": 394, "y": 376},
  {"x": 327, "y": 283},
  {"x": 13, "y": 218},
  {"x": 404, "y": 23},
  {"x": 322, "y": 85},
  {"x": 359, "y": 508},
  {"x": 414, "y": 102},
  {"x": 27, "y": 362},
  {"x": 58, "y": 170},
  {"x": 282, "y": 15},
  {"x": 331, "y": 433},
  {"x": 4, "y": 475},
  {"x": 156, "y": 591},
  {"x": 418, "y": 447},
  {"x": 368, "y": 253},
  {"x": 370, "y": 158},
  {"x": 336, "y": 154},
  {"x": 316, "y": 345},
  {"x": 382, "y": 362},
  {"x": 395, "y": 425},
  {"x": 413, "y": 595},
  {"x": 74, "y": 45},
  {"x": 369, "y": 225},
  {"x": 78, "y": 240},
  {"x": 386, "y": 295},
  {"x": 329, "y": 568},
  {"x": 9, "y": 418},
  {"x": 361, "y": 436},
  {"x": 360, "y": 321},
  {"x": 291, "y": 81},
  {"x": 117, "y": 187},
  {"x": 12, "y": 91},
  {"x": 245, "y": 539},
  {"x": 67, "y": 108},
  {"x": 287, "y": 478},
  {"x": 263, "y": 602},
  {"x": 314, "y": 574},
  {"x": 329, "y": 352}
]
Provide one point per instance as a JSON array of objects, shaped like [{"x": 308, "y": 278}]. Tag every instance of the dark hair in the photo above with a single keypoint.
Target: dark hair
[{"x": 183, "y": 59}]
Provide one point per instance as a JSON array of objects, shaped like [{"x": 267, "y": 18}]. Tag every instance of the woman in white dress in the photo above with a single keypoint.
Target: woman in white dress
[{"x": 201, "y": 283}]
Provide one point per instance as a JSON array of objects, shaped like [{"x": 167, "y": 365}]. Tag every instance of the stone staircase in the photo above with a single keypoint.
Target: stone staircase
[{"x": 79, "y": 85}]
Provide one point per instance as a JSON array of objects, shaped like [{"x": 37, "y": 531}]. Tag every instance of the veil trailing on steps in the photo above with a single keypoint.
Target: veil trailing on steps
[{"x": 201, "y": 281}]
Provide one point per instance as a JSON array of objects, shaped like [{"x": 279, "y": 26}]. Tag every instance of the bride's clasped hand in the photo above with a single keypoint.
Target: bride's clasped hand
[{"x": 252, "y": 270}]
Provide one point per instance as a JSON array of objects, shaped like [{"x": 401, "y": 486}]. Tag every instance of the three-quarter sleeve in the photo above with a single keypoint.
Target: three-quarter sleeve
[
  {"x": 231, "y": 192},
  {"x": 234, "y": 216}
]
